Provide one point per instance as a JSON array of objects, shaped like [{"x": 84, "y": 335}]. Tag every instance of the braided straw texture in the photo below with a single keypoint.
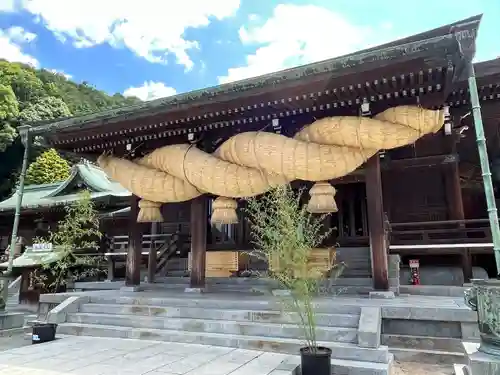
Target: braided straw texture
[{"x": 250, "y": 163}]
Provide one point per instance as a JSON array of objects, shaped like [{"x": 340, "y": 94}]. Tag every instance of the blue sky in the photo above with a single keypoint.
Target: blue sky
[{"x": 154, "y": 48}]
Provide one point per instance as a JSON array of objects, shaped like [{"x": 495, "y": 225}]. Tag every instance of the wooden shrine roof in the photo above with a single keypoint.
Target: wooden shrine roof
[
  {"x": 84, "y": 175},
  {"x": 422, "y": 65}
]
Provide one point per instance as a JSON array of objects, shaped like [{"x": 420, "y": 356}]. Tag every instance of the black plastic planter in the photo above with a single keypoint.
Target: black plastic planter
[
  {"x": 43, "y": 332},
  {"x": 315, "y": 361}
]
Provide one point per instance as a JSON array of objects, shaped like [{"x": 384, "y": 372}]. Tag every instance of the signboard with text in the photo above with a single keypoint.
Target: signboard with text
[
  {"x": 414, "y": 263},
  {"x": 42, "y": 246}
]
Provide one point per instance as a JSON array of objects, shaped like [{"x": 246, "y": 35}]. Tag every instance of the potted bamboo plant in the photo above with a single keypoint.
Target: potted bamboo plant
[
  {"x": 284, "y": 236},
  {"x": 78, "y": 230}
]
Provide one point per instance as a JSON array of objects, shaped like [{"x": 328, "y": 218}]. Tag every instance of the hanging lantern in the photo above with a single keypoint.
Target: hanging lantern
[
  {"x": 322, "y": 199},
  {"x": 149, "y": 212},
  {"x": 224, "y": 211}
]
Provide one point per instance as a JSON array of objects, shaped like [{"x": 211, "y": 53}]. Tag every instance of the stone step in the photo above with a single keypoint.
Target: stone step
[
  {"x": 356, "y": 274},
  {"x": 255, "y": 281},
  {"x": 444, "y": 344},
  {"x": 341, "y": 287},
  {"x": 11, "y": 332},
  {"x": 336, "y": 334},
  {"x": 461, "y": 369},
  {"x": 345, "y": 351},
  {"x": 277, "y": 317},
  {"x": 231, "y": 302},
  {"x": 427, "y": 356},
  {"x": 339, "y": 367}
]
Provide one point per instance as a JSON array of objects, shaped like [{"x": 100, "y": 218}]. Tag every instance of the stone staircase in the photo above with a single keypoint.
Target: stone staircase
[
  {"x": 358, "y": 261},
  {"x": 12, "y": 306},
  {"x": 231, "y": 321}
]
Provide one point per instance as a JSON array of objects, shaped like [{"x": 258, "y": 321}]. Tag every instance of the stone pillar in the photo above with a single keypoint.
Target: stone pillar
[
  {"x": 199, "y": 221},
  {"x": 394, "y": 264}
]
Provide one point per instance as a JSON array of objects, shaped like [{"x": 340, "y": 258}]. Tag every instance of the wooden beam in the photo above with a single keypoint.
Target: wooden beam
[
  {"x": 133, "y": 263},
  {"x": 420, "y": 162},
  {"x": 376, "y": 224},
  {"x": 199, "y": 221},
  {"x": 387, "y": 165}
]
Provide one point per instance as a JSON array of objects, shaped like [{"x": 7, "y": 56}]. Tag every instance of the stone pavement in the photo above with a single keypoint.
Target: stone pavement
[{"x": 102, "y": 356}]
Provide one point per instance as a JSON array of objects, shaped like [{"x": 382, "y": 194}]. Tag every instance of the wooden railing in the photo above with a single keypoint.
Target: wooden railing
[
  {"x": 449, "y": 235},
  {"x": 119, "y": 244},
  {"x": 175, "y": 245}
]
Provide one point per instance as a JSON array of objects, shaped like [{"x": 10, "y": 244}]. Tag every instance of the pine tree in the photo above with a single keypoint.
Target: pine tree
[{"x": 48, "y": 168}]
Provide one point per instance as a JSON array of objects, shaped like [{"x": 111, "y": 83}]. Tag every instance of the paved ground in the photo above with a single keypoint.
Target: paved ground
[
  {"x": 103, "y": 356},
  {"x": 99, "y": 356},
  {"x": 412, "y": 368}
]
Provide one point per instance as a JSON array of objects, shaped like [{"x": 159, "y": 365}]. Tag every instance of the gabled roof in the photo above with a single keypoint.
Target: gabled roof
[
  {"x": 434, "y": 43},
  {"x": 84, "y": 175},
  {"x": 32, "y": 258}
]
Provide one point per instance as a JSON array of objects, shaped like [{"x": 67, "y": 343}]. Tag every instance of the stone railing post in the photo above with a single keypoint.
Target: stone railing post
[{"x": 394, "y": 264}]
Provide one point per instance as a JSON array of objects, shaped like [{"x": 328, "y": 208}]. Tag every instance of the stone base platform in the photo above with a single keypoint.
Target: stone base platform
[
  {"x": 412, "y": 328},
  {"x": 10, "y": 321},
  {"x": 478, "y": 363}
]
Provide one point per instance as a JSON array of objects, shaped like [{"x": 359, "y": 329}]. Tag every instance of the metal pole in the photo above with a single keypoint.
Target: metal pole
[
  {"x": 26, "y": 140},
  {"x": 485, "y": 165}
]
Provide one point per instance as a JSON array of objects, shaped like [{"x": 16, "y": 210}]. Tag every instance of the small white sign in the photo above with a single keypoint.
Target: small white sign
[
  {"x": 42, "y": 246},
  {"x": 414, "y": 263}
]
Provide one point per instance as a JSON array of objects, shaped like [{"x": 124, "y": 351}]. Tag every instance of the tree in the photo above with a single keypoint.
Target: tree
[
  {"x": 23, "y": 81},
  {"x": 47, "y": 108},
  {"x": 48, "y": 168},
  {"x": 9, "y": 107},
  {"x": 284, "y": 235},
  {"x": 79, "y": 230},
  {"x": 40, "y": 95},
  {"x": 9, "y": 110}
]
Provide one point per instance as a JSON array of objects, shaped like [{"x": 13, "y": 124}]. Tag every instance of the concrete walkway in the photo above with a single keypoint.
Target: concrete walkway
[{"x": 100, "y": 356}]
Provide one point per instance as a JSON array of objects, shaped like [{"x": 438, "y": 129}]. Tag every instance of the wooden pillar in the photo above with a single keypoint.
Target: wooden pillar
[
  {"x": 467, "y": 265},
  {"x": 133, "y": 266},
  {"x": 111, "y": 268},
  {"x": 108, "y": 246},
  {"x": 375, "y": 212},
  {"x": 456, "y": 211},
  {"x": 453, "y": 192},
  {"x": 152, "y": 256},
  {"x": 454, "y": 200},
  {"x": 199, "y": 221}
]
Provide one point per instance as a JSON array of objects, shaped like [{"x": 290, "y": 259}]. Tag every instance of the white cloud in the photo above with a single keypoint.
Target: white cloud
[
  {"x": 61, "y": 73},
  {"x": 253, "y": 17},
  {"x": 10, "y": 45},
  {"x": 299, "y": 34},
  {"x": 7, "y": 5},
  {"x": 150, "y": 28},
  {"x": 150, "y": 90},
  {"x": 19, "y": 35}
]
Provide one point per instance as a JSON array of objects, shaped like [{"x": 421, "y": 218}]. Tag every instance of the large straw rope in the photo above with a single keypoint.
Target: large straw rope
[{"x": 250, "y": 163}]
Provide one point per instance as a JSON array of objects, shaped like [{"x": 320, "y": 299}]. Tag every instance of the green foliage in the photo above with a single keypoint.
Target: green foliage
[
  {"x": 22, "y": 79},
  {"x": 48, "y": 168},
  {"x": 47, "y": 108},
  {"x": 9, "y": 110},
  {"x": 30, "y": 95},
  {"x": 78, "y": 230},
  {"x": 284, "y": 235}
]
